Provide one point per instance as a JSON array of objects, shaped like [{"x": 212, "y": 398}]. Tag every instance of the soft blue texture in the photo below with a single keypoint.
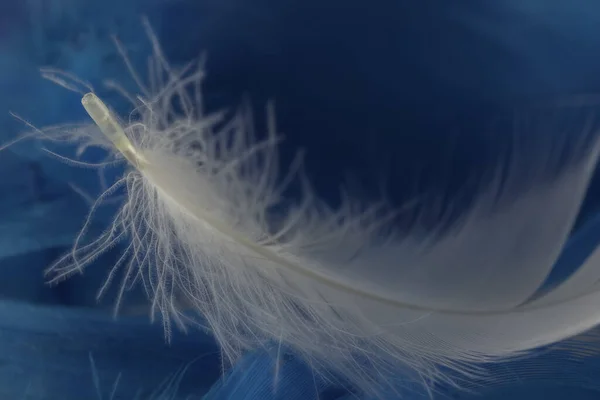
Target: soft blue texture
[{"x": 340, "y": 71}]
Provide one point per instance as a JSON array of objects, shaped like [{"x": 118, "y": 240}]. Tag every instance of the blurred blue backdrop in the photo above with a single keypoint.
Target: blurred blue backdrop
[{"x": 419, "y": 93}]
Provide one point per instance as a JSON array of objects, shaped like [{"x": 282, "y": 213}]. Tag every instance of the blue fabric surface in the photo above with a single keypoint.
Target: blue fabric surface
[{"x": 405, "y": 75}]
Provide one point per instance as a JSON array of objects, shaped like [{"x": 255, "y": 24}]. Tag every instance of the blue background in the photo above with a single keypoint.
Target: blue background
[{"x": 419, "y": 94}]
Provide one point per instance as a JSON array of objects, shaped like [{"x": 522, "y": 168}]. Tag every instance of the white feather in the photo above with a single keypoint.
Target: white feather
[{"x": 203, "y": 229}]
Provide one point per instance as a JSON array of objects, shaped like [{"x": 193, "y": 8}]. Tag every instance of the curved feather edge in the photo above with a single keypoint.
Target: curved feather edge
[{"x": 203, "y": 229}]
